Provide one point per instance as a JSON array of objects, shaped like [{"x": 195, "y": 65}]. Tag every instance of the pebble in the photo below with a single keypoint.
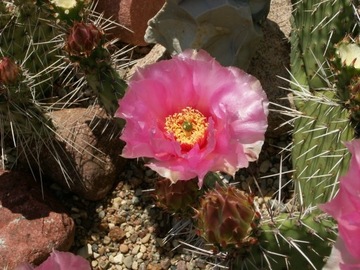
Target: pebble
[
  {"x": 101, "y": 214},
  {"x": 118, "y": 258},
  {"x": 102, "y": 250},
  {"x": 106, "y": 240},
  {"x": 135, "y": 249},
  {"x": 128, "y": 260},
  {"x": 96, "y": 255},
  {"x": 94, "y": 263},
  {"x": 146, "y": 238},
  {"x": 143, "y": 248},
  {"x": 104, "y": 264},
  {"x": 135, "y": 265},
  {"x": 124, "y": 248},
  {"x": 139, "y": 255},
  {"x": 265, "y": 166},
  {"x": 85, "y": 251},
  {"x": 133, "y": 237},
  {"x": 165, "y": 263},
  {"x": 181, "y": 265},
  {"x": 116, "y": 233}
]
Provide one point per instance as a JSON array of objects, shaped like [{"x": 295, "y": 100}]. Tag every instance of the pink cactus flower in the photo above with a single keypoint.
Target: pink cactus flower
[
  {"x": 345, "y": 207},
  {"x": 190, "y": 115},
  {"x": 59, "y": 260}
]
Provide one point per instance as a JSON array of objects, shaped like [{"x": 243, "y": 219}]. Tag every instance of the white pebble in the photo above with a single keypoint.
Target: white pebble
[{"x": 118, "y": 258}]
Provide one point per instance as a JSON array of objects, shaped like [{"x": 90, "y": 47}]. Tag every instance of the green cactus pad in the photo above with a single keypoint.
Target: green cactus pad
[
  {"x": 291, "y": 242},
  {"x": 322, "y": 123}
]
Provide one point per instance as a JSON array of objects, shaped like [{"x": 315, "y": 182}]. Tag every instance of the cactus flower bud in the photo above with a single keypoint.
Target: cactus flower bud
[
  {"x": 9, "y": 71},
  {"x": 227, "y": 217},
  {"x": 346, "y": 68},
  {"x": 83, "y": 39},
  {"x": 176, "y": 197}
]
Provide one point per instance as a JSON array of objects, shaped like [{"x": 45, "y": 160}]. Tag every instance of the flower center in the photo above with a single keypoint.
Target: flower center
[{"x": 188, "y": 127}]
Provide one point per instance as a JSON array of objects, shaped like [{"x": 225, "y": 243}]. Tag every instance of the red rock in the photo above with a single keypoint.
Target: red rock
[
  {"x": 133, "y": 15},
  {"x": 31, "y": 225}
]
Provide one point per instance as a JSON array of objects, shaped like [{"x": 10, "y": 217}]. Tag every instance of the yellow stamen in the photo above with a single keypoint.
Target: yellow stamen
[{"x": 188, "y": 126}]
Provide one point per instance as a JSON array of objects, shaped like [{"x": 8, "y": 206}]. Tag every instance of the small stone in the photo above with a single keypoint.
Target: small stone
[
  {"x": 135, "y": 249},
  {"x": 106, "y": 240},
  {"x": 139, "y": 255},
  {"x": 128, "y": 260},
  {"x": 94, "y": 247},
  {"x": 133, "y": 237},
  {"x": 165, "y": 263},
  {"x": 104, "y": 264},
  {"x": 157, "y": 266},
  {"x": 146, "y": 238},
  {"x": 95, "y": 237},
  {"x": 102, "y": 250},
  {"x": 96, "y": 255},
  {"x": 85, "y": 251},
  {"x": 118, "y": 258},
  {"x": 181, "y": 265},
  {"x": 135, "y": 265},
  {"x": 135, "y": 200},
  {"x": 116, "y": 233},
  {"x": 124, "y": 248},
  {"x": 265, "y": 166},
  {"x": 101, "y": 214},
  {"x": 117, "y": 202},
  {"x": 94, "y": 263},
  {"x": 143, "y": 248}
]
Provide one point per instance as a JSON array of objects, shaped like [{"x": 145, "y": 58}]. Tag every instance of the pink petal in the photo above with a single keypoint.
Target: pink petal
[
  {"x": 59, "y": 260},
  {"x": 345, "y": 207},
  {"x": 340, "y": 258},
  {"x": 349, "y": 229}
]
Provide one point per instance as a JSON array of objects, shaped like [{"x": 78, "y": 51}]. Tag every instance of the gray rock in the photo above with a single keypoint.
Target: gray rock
[{"x": 88, "y": 148}]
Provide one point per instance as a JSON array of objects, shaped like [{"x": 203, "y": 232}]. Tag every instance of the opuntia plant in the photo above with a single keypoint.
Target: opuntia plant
[{"x": 323, "y": 122}]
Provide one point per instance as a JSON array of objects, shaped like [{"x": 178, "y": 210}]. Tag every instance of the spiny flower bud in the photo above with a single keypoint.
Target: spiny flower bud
[
  {"x": 179, "y": 197},
  {"x": 83, "y": 39},
  {"x": 227, "y": 217},
  {"x": 9, "y": 71}
]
